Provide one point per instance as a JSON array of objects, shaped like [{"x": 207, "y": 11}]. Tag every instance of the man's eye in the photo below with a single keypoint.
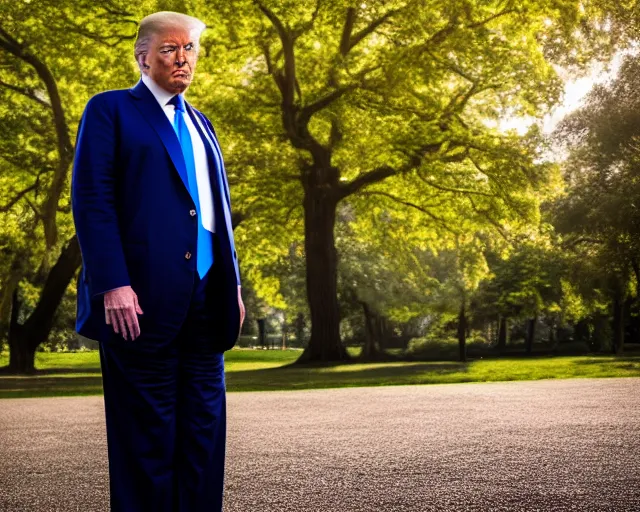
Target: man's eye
[
  {"x": 189, "y": 47},
  {"x": 167, "y": 50}
]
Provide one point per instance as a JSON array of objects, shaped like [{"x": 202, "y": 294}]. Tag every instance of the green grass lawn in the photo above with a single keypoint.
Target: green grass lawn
[{"x": 78, "y": 373}]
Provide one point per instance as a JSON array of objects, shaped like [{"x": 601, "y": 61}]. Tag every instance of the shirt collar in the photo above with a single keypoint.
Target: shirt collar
[{"x": 158, "y": 92}]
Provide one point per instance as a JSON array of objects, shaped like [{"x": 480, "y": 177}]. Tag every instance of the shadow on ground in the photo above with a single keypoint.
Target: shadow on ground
[
  {"x": 300, "y": 376},
  {"x": 629, "y": 362},
  {"x": 54, "y": 371},
  {"x": 27, "y": 386}
]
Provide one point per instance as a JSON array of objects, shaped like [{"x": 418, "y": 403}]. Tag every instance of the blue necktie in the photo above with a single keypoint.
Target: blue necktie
[{"x": 204, "y": 258}]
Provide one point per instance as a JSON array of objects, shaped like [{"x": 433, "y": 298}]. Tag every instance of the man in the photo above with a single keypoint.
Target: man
[{"x": 159, "y": 287}]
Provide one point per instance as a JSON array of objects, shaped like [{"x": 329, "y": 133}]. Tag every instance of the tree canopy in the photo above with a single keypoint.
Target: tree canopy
[{"x": 362, "y": 144}]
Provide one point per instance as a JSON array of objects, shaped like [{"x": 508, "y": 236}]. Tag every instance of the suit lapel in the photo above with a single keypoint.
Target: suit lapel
[
  {"x": 215, "y": 170},
  {"x": 213, "y": 143},
  {"x": 148, "y": 106}
]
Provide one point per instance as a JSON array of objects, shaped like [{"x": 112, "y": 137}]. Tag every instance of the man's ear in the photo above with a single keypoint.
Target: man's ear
[{"x": 142, "y": 61}]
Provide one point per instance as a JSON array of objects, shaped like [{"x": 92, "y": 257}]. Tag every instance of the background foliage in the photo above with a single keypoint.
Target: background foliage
[{"x": 444, "y": 223}]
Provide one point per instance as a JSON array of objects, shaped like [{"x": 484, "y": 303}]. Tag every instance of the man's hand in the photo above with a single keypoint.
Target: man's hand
[
  {"x": 120, "y": 308},
  {"x": 242, "y": 310}
]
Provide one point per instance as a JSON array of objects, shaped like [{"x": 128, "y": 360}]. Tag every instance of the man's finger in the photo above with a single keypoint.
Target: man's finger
[
  {"x": 126, "y": 314},
  {"x": 136, "y": 327},
  {"x": 125, "y": 323},
  {"x": 114, "y": 320},
  {"x": 132, "y": 321},
  {"x": 121, "y": 323},
  {"x": 107, "y": 315}
]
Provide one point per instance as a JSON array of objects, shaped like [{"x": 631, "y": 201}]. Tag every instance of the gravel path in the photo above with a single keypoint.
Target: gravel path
[{"x": 550, "y": 445}]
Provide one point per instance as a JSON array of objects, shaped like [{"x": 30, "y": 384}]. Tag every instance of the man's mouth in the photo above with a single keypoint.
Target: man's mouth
[{"x": 180, "y": 73}]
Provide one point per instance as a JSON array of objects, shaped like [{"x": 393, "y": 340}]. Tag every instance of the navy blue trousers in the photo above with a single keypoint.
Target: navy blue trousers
[{"x": 166, "y": 419}]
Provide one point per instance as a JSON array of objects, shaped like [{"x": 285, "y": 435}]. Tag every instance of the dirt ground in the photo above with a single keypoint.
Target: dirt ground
[{"x": 549, "y": 445}]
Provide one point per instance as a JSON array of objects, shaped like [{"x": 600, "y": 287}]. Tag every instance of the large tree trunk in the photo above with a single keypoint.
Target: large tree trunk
[
  {"x": 21, "y": 352},
  {"x": 25, "y": 338},
  {"x": 322, "y": 278}
]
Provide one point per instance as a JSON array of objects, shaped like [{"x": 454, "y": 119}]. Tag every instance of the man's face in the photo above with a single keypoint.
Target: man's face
[{"x": 171, "y": 58}]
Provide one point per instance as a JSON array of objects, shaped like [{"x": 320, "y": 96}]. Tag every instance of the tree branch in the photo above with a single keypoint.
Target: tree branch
[
  {"x": 421, "y": 209},
  {"x": 385, "y": 171},
  {"x": 10, "y": 44},
  {"x": 572, "y": 243},
  {"x": 345, "y": 39},
  {"x": 503, "y": 191},
  {"x": 109, "y": 40},
  {"x": 275, "y": 21},
  {"x": 356, "y": 38},
  {"x": 453, "y": 190},
  {"x": 34, "y": 208},
  {"x": 486, "y": 215},
  {"x": 308, "y": 110},
  {"x": 309, "y": 24},
  {"x": 499, "y": 14},
  {"x": 65, "y": 147},
  {"x": 368, "y": 178},
  {"x": 17, "y": 198},
  {"x": 285, "y": 79},
  {"x": 25, "y": 92},
  {"x": 441, "y": 34}
]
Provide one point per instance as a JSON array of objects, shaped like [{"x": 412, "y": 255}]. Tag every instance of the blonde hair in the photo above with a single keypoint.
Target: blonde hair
[{"x": 158, "y": 22}]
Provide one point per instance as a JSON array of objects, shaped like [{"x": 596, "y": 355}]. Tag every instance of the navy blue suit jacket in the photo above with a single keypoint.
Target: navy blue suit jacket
[{"x": 132, "y": 212}]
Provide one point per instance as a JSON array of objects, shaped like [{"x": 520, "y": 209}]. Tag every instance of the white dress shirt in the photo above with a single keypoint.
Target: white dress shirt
[{"x": 205, "y": 194}]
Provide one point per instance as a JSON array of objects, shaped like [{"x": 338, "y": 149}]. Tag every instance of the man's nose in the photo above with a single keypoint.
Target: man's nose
[{"x": 181, "y": 57}]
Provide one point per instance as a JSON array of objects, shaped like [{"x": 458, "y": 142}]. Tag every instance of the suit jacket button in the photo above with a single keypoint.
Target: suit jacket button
[
  {"x": 188, "y": 255},
  {"x": 192, "y": 212}
]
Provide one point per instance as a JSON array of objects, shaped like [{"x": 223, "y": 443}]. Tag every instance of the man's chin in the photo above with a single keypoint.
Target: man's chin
[{"x": 180, "y": 85}]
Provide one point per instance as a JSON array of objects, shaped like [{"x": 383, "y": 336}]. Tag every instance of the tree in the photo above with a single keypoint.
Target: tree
[
  {"x": 599, "y": 216},
  {"x": 43, "y": 92},
  {"x": 321, "y": 104},
  {"x": 341, "y": 101},
  {"x": 525, "y": 283}
]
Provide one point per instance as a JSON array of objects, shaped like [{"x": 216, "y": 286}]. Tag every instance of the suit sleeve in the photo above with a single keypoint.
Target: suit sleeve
[{"x": 93, "y": 199}]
